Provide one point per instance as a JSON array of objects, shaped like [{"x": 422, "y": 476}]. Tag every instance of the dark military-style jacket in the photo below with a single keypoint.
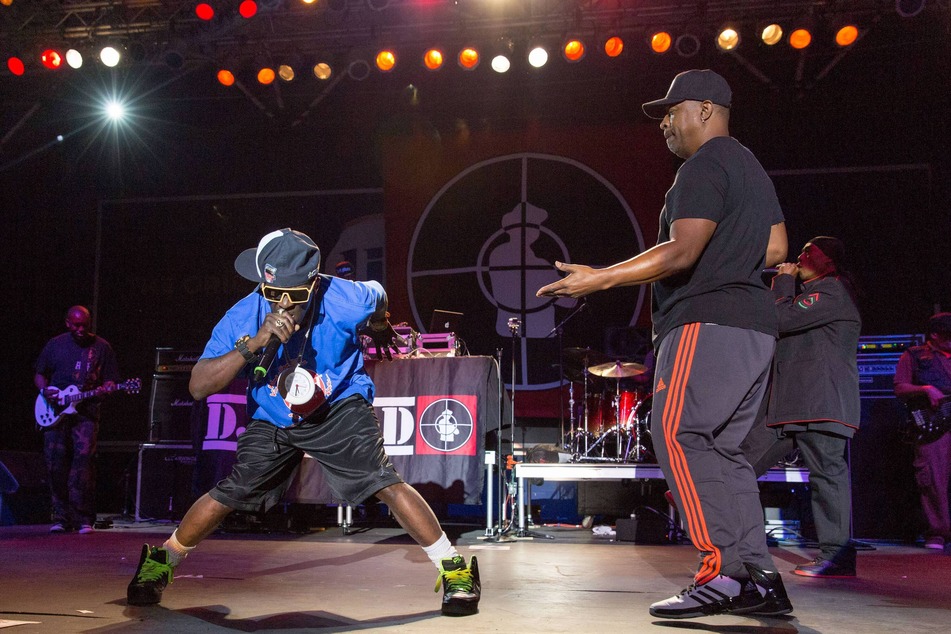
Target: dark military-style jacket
[{"x": 815, "y": 379}]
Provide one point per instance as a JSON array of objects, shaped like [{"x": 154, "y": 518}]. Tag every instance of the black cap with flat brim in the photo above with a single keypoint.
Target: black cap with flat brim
[{"x": 691, "y": 85}]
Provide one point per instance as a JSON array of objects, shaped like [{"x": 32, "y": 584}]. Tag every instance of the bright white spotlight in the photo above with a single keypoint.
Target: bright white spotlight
[
  {"x": 74, "y": 58},
  {"x": 501, "y": 63},
  {"x": 109, "y": 56},
  {"x": 115, "y": 110},
  {"x": 538, "y": 57}
]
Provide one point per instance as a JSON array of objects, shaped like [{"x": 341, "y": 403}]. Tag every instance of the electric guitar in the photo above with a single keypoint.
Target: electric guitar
[
  {"x": 926, "y": 424},
  {"x": 49, "y": 411}
]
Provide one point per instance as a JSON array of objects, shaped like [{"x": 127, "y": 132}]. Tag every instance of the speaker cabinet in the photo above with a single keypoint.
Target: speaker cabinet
[
  {"x": 164, "y": 483},
  {"x": 170, "y": 409},
  {"x": 24, "y": 488},
  {"x": 885, "y": 501}
]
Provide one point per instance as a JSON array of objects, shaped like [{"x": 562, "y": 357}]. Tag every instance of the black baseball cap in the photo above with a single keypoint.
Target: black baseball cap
[
  {"x": 691, "y": 85},
  {"x": 283, "y": 258}
]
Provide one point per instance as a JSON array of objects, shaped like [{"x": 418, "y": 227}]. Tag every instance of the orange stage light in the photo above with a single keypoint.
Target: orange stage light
[
  {"x": 613, "y": 46},
  {"x": 386, "y": 60},
  {"x": 846, "y": 35},
  {"x": 225, "y": 77},
  {"x": 573, "y": 50},
  {"x": 800, "y": 38},
  {"x": 432, "y": 59},
  {"x": 266, "y": 76},
  {"x": 661, "y": 41},
  {"x": 468, "y": 58}
]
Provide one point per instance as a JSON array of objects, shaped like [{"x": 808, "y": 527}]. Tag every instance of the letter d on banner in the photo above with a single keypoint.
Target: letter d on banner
[{"x": 397, "y": 423}]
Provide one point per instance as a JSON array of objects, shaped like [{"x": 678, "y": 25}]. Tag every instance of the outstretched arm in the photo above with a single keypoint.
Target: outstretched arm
[{"x": 688, "y": 239}]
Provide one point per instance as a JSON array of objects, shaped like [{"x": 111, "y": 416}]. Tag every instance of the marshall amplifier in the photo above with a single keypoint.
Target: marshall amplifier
[{"x": 173, "y": 361}]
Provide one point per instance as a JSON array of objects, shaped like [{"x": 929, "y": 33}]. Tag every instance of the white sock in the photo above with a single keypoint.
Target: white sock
[
  {"x": 176, "y": 551},
  {"x": 442, "y": 549}
]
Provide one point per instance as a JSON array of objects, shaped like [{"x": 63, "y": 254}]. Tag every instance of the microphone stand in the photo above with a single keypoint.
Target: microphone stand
[
  {"x": 515, "y": 325},
  {"x": 498, "y": 533},
  {"x": 559, "y": 329}
]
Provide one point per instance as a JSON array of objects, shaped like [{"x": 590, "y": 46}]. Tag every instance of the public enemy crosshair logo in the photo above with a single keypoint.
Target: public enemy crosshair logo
[
  {"x": 489, "y": 239},
  {"x": 446, "y": 425}
]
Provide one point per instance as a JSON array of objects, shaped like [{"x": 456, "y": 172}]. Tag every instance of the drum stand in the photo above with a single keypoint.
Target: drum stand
[{"x": 638, "y": 431}]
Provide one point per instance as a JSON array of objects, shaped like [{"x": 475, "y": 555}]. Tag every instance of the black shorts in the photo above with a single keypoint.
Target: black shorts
[{"x": 345, "y": 441}]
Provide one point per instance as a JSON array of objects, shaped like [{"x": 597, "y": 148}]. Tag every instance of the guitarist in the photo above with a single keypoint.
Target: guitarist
[
  {"x": 924, "y": 375},
  {"x": 83, "y": 359}
]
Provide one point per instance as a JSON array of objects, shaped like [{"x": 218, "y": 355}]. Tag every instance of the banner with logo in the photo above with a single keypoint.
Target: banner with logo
[{"x": 433, "y": 415}]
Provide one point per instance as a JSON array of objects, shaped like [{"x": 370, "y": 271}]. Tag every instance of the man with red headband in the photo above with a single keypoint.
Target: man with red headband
[{"x": 814, "y": 401}]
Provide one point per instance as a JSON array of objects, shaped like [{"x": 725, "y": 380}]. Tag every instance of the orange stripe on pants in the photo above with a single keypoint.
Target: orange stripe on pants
[{"x": 690, "y": 501}]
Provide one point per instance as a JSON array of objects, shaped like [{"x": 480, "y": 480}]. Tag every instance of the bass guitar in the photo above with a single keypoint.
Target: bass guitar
[
  {"x": 49, "y": 411},
  {"x": 926, "y": 424}
]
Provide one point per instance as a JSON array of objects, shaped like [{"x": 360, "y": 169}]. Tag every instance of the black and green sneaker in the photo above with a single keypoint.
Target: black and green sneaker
[
  {"x": 153, "y": 574},
  {"x": 461, "y": 588}
]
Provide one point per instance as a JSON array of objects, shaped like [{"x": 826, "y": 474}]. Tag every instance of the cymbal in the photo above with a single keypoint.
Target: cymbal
[
  {"x": 585, "y": 356},
  {"x": 617, "y": 369}
]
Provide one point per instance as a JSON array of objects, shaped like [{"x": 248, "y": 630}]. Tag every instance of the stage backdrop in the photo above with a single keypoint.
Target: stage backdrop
[{"x": 485, "y": 216}]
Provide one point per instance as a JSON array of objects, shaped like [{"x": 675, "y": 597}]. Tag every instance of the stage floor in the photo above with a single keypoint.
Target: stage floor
[{"x": 377, "y": 580}]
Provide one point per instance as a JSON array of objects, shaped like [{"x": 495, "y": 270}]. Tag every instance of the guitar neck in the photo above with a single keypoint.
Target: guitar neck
[{"x": 72, "y": 398}]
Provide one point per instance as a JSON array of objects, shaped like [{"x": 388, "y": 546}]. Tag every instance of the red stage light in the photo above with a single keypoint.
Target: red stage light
[
  {"x": 15, "y": 64},
  {"x": 248, "y": 8},
  {"x": 51, "y": 59},
  {"x": 204, "y": 11}
]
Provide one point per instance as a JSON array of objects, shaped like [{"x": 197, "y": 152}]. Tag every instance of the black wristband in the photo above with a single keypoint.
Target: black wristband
[{"x": 241, "y": 345}]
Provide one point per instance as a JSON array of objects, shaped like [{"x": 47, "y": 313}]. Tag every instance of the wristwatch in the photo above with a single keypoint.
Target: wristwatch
[{"x": 241, "y": 345}]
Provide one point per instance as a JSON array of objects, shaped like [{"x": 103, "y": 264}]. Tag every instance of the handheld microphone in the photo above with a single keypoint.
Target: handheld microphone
[
  {"x": 267, "y": 357},
  {"x": 770, "y": 271}
]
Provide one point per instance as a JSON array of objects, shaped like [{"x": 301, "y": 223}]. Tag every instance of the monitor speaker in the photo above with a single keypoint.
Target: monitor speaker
[{"x": 164, "y": 488}]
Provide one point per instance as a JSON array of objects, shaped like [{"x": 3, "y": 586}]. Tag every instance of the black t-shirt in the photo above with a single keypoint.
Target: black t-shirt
[
  {"x": 722, "y": 182},
  {"x": 64, "y": 362}
]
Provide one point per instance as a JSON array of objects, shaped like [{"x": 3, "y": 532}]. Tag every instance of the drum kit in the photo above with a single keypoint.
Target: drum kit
[{"x": 611, "y": 420}]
